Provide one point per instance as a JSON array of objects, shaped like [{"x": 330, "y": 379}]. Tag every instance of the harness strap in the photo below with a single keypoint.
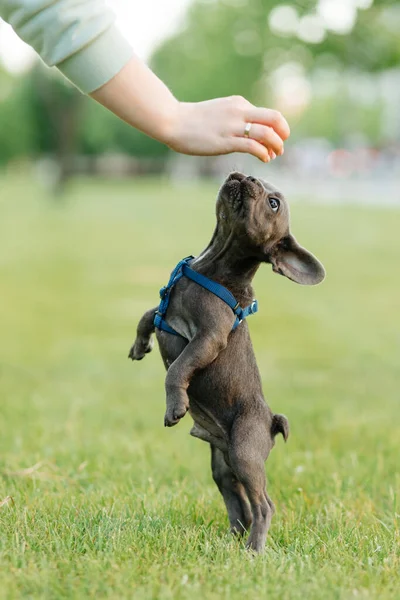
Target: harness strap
[
  {"x": 165, "y": 291},
  {"x": 161, "y": 324},
  {"x": 183, "y": 269},
  {"x": 223, "y": 293}
]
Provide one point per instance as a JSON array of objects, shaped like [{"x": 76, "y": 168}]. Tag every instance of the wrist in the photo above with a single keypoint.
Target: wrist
[{"x": 173, "y": 128}]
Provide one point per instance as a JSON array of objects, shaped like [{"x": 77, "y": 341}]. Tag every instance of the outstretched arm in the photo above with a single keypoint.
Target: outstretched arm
[
  {"x": 213, "y": 127},
  {"x": 79, "y": 38}
]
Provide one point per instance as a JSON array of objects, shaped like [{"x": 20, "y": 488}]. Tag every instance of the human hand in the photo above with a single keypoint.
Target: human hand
[{"x": 218, "y": 127}]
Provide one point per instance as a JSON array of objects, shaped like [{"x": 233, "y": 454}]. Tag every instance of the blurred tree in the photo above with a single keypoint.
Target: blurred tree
[
  {"x": 228, "y": 45},
  {"x": 373, "y": 44},
  {"x": 15, "y": 140},
  {"x": 56, "y": 108},
  {"x": 39, "y": 115}
]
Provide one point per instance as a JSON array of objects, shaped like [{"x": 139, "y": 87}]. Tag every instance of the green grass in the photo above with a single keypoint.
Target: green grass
[{"x": 106, "y": 503}]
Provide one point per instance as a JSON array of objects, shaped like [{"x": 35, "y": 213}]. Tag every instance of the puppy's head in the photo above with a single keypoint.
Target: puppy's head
[{"x": 257, "y": 214}]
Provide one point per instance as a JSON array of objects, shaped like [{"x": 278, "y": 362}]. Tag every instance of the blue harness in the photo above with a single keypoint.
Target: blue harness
[{"x": 182, "y": 269}]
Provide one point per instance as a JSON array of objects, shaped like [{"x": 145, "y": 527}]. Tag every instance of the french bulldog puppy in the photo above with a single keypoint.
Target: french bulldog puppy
[{"x": 211, "y": 369}]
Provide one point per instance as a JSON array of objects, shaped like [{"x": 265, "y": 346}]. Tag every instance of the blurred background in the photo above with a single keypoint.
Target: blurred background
[{"x": 331, "y": 66}]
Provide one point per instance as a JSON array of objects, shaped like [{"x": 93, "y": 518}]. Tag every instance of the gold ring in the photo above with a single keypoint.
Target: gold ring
[{"x": 247, "y": 129}]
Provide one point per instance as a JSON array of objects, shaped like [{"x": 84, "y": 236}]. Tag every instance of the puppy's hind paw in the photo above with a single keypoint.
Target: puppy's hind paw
[{"x": 140, "y": 348}]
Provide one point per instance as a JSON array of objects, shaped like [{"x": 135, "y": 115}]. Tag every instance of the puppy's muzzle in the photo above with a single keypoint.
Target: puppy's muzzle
[{"x": 238, "y": 186}]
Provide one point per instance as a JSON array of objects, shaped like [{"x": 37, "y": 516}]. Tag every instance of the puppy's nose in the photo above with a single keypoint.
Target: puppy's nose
[
  {"x": 252, "y": 182},
  {"x": 251, "y": 187},
  {"x": 236, "y": 176}
]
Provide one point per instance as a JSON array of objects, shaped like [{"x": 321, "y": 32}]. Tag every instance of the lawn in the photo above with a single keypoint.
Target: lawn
[{"x": 98, "y": 499}]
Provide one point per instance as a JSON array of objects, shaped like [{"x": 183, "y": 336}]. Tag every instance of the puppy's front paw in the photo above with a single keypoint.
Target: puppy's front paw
[
  {"x": 175, "y": 412},
  {"x": 140, "y": 348}
]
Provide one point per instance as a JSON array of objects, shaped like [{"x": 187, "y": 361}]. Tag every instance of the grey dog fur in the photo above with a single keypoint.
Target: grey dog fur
[{"x": 213, "y": 373}]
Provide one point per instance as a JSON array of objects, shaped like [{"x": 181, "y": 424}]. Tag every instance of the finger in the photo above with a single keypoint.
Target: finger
[
  {"x": 249, "y": 146},
  {"x": 271, "y": 118},
  {"x": 272, "y": 154},
  {"x": 266, "y": 136}
]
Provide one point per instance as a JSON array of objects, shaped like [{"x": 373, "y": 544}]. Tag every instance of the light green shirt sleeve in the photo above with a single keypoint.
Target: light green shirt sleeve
[{"x": 79, "y": 37}]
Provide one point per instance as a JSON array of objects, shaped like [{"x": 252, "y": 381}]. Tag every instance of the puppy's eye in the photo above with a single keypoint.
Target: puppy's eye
[{"x": 274, "y": 204}]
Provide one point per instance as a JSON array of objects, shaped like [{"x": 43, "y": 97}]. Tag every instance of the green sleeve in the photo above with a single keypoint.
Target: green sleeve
[{"x": 77, "y": 36}]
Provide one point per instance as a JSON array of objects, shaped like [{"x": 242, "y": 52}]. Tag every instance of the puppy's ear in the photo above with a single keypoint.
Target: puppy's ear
[{"x": 288, "y": 258}]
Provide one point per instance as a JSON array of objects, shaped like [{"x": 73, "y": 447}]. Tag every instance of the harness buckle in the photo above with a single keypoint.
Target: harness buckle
[
  {"x": 253, "y": 307},
  {"x": 164, "y": 291}
]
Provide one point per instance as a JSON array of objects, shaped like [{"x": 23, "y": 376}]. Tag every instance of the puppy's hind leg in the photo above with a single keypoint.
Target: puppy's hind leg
[
  {"x": 144, "y": 341},
  {"x": 248, "y": 451},
  {"x": 232, "y": 491}
]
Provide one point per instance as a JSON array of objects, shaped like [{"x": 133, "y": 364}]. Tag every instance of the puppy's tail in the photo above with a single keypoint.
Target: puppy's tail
[{"x": 280, "y": 424}]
